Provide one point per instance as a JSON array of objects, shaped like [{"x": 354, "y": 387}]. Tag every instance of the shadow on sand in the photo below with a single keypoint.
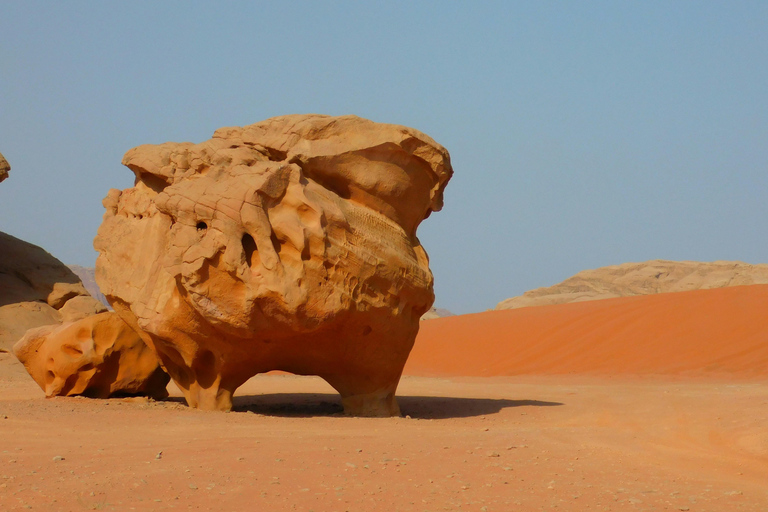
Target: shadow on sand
[{"x": 302, "y": 405}]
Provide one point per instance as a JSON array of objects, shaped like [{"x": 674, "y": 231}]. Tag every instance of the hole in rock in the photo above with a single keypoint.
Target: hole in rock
[
  {"x": 156, "y": 183},
  {"x": 276, "y": 243},
  {"x": 367, "y": 330},
  {"x": 202, "y": 226},
  {"x": 305, "y": 254},
  {"x": 249, "y": 247}
]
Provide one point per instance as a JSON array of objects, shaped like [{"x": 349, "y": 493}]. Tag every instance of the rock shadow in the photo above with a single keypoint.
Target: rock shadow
[{"x": 300, "y": 405}]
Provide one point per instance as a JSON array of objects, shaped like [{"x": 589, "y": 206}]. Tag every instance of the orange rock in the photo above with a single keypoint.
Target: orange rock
[
  {"x": 4, "y": 167},
  {"x": 98, "y": 356},
  {"x": 286, "y": 245}
]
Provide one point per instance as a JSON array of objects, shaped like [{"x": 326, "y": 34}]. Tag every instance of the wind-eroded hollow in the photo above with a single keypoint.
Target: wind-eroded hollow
[{"x": 249, "y": 248}]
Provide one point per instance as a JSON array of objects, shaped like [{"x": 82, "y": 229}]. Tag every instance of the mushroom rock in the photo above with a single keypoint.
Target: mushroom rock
[
  {"x": 5, "y": 167},
  {"x": 98, "y": 356},
  {"x": 287, "y": 245}
]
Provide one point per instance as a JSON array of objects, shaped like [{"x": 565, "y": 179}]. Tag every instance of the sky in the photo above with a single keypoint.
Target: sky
[{"x": 582, "y": 134}]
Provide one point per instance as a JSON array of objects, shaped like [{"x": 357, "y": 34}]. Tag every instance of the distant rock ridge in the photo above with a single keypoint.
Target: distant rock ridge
[
  {"x": 436, "y": 313},
  {"x": 88, "y": 276},
  {"x": 646, "y": 278}
]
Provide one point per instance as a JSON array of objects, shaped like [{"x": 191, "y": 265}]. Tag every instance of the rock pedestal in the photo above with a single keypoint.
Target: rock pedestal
[{"x": 287, "y": 245}]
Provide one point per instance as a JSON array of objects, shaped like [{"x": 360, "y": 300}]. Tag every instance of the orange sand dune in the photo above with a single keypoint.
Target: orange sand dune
[{"x": 702, "y": 332}]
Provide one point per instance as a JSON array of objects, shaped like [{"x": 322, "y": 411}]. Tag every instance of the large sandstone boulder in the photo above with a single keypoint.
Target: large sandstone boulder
[
  {"x": 287, "y": 245},
  {"x": 37, "y": 289},
  {"x": 99, "y": 356},
  {"x": 655, "y": 276},
  {"x": 5, "y": 167}
]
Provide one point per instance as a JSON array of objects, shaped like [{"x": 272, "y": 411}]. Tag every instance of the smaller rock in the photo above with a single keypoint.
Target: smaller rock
[
  {"x": 96, "y": 357},
  {"x": 62, "y": 292},
  {"x": 80, "y": 307},
  {"x": 58, "y": 458}
]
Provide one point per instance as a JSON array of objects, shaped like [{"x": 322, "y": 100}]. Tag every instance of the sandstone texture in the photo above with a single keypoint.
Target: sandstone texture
[
  {"x": 99, "y": 356},
  {"x": 628, "y": 279},
  {"x": 286, "y": 245},
  {"x": 37, "y": 289},
  {"x": 5, "y": 167}
]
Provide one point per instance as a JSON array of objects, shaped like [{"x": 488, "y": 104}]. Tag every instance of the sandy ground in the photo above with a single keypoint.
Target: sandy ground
[{"x": 471, "y": 444}]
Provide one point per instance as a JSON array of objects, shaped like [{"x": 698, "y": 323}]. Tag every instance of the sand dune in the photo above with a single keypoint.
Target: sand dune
[{"x": 707, "y": 332}]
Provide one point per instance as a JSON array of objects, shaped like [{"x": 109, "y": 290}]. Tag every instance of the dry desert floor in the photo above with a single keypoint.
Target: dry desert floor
[
  {"x": 467, "y": 443},
  {"x": 632, "y": 404}
]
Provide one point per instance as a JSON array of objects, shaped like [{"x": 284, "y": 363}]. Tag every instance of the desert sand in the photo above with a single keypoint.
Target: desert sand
[
  {"x": 722, "y": 331},
  {"x": 610, "y": 405}
]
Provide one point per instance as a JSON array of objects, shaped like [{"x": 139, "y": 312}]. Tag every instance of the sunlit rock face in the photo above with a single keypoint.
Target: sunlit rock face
[
  {"x": 98, "y": 356},
  {"x": 287, "y": 245}
]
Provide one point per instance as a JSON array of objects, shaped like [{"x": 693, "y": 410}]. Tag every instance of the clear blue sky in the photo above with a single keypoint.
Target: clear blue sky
[{"x": 582, "y": 133}]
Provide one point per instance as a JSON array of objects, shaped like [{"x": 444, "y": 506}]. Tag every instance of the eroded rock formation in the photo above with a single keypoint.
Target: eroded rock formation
[
  {"x": 287, "y": 245},
  {"x": 37, "y": 289},
  {"x": 98, "y": 356},
  {"x": 655, "y": 276}
]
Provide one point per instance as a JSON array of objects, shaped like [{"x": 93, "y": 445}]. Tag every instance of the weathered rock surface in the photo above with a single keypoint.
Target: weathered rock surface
[
  {"x": 98, "y": 356},
  {"x": 655, "y": 276},
  {"x": 5, "y": 167},
  {"x": 287, "y": 245},
  {"x": 37, "y": 289}
]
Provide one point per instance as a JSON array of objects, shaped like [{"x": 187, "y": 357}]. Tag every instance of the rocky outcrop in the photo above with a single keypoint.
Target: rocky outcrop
[
  {"x": 5, "y": 167},
  {"x": 37, "y": 289},
  {"x": 287, "y": 245},
  {"x": 99, "y": 356},
  {"x": 655, "y": 276}
]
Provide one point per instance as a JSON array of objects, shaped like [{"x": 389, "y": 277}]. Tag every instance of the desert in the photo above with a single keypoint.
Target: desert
[
  {"x": 641, "y": 386},
  {"x": 660, "y": 423},
  {"x": 383, "y": 256}
]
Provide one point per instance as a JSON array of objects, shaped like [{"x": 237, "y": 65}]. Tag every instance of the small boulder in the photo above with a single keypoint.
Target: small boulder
[{"x": 98, "y": 356}]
